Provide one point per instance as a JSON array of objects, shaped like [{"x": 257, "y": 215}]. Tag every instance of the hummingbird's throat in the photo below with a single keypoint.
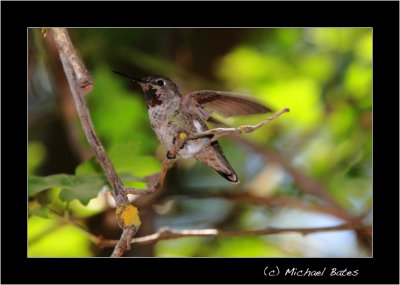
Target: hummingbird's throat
[{"x": 151, "y": 96}]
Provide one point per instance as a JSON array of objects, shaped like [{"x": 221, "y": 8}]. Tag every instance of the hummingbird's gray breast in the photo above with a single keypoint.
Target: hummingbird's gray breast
[
  {"x": 162, "y": 121},
  {"x": 167, "y": 120}
]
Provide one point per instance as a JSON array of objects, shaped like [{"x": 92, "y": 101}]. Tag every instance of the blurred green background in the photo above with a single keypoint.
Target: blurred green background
[{"x": 311, "y": 167}]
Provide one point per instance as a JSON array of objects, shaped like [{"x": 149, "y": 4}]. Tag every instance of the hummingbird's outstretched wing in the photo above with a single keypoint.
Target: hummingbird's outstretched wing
[{"x": 227, "y": 104}]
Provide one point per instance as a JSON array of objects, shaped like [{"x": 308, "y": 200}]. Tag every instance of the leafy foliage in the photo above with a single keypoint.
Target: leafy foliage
[{"x": 81, "y": 187}]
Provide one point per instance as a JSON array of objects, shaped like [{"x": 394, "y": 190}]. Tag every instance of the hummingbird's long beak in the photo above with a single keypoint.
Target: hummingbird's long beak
[{"x": 130, "y": 77}]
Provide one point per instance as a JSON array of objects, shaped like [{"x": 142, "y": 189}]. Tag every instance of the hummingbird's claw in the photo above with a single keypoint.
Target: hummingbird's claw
[
  {"x": 170, "y": 155},
  {"x": 182, "y": 135}
]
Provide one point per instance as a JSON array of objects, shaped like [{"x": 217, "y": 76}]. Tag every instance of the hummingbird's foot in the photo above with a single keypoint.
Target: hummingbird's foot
[
  {"x": 182, "y": 135},
  {"x": 178, "y": 143},
  {"x": 180, "y": 140},
  {"x": 170, "y": 155}
]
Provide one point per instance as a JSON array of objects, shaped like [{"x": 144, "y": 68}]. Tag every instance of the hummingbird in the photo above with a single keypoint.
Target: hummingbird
[{"x": 171, "y": 113}]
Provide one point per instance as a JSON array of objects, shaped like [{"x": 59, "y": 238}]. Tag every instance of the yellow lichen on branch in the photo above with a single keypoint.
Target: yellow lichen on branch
[{"x": 128, "y": 216}]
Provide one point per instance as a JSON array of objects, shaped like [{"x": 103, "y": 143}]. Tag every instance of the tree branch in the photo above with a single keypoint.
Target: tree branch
[
  {"x": 80, "y": 83},
  {"x": 70, "y": 59},
  {"x": 123, "y": 243},
  {"x": 167, "y": 234}
]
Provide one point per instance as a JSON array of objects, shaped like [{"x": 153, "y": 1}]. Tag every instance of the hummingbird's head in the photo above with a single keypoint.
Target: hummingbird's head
[{"x": 156, "y": 88}]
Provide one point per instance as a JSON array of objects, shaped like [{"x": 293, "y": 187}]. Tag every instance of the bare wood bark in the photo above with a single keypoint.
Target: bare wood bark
[
  {"x": 72, "y": 60},
  {"x": 123, "y": 243}
]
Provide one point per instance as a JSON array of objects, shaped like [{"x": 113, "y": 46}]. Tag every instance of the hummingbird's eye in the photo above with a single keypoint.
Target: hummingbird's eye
[{"x": 160, "y": 82}]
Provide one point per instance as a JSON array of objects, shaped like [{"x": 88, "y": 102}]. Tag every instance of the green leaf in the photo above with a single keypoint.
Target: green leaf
[
  {"x": 81, "y": 187},
  {"x": 37, "y": 184}
]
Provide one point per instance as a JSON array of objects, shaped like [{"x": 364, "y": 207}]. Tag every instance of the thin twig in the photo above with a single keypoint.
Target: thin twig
[
  {"x": 167, "y": 234},
  {"x": 220, "y": 132}
]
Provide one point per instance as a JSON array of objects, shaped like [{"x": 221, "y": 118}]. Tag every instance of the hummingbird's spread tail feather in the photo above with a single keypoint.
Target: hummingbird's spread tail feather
[{"x": 213, "y": 156}]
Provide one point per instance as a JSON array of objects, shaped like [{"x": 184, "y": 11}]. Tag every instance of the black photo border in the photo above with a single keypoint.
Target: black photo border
[{"x": 16, "y": 17}]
